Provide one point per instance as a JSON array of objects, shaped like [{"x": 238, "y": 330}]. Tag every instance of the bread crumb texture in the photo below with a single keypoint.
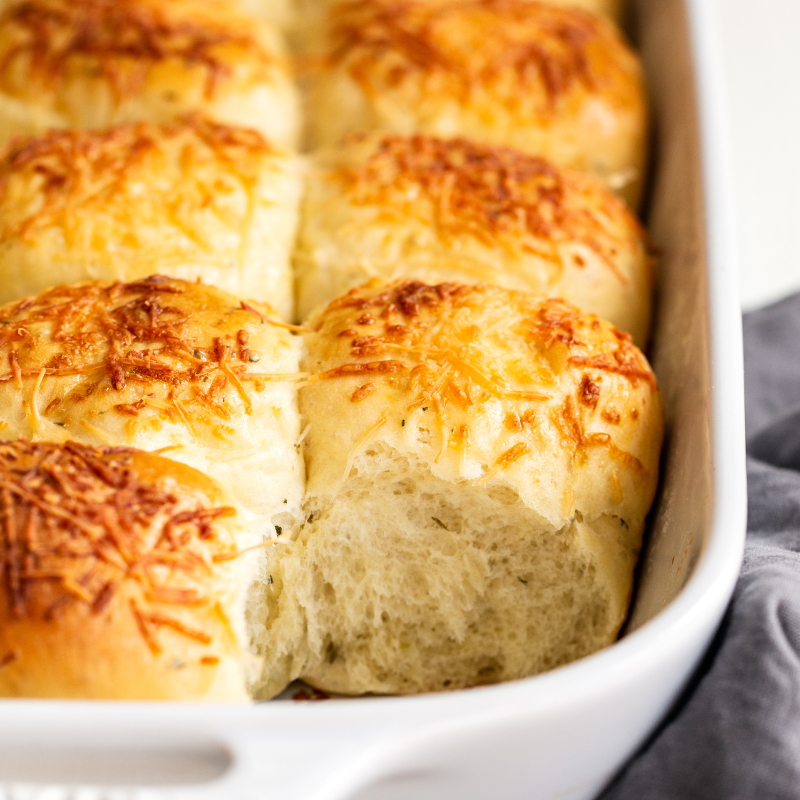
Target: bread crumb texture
[
  {"x": 118, "y": 565},
  {"x": 480, "y": 464}
]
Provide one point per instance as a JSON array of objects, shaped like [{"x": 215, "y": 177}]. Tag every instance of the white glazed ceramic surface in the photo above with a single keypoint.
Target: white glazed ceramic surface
[{"x": 559, "y": 735}]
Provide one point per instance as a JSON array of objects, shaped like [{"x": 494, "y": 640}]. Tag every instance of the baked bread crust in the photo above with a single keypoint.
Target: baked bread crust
[
  {"x": 480, "y": 464},
  {"x": 98, "y": 63},
  {"x": 306, "y": 18},
  {"x": 189, "y": 198},
  {"x": 124, "y": 577},
  {"x": 389, "y": 206},
  {"x": 160, "y": 364},
  {"x": 553, "y": 81}
]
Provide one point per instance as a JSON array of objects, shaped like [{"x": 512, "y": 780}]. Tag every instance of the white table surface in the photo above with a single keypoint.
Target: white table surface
[{"x": 762, "y": 67}]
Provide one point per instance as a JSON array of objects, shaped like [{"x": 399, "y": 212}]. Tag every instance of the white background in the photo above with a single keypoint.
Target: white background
[{"x": 761, "y": 48}]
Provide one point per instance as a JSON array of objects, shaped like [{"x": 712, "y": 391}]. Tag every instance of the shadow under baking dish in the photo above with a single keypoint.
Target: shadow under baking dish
[{"x": 558, "y": 735}]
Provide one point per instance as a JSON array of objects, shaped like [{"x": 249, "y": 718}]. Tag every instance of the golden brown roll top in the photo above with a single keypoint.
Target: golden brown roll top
[
  {"x": 511, "y": 389},
  {"x": 479, "y": 466},
  {"x": 454, "y": 210},
  {"x": 189, "y": 198},
  {"x": 123, "y": 577},
  {"x": 159, "y": 364},
  {"x": 96, "y": 63},
  {"x": 552, "y": 81}
]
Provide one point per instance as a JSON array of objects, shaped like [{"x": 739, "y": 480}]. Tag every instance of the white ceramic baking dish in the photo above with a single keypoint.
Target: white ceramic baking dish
[{"x": 559, "y": 735}]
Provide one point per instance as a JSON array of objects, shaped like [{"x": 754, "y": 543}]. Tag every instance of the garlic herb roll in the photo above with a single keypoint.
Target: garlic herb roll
[
  {"x": 190, "y": 198},
  {"x": 550, "y": 80},
  {"x": 160, "y": 364},
  {"x": 453, "y": 210},
  {"x": 96, "y": 63},
  {"x": 124, "y": 578},
  {"x": 480, "y": 463}
]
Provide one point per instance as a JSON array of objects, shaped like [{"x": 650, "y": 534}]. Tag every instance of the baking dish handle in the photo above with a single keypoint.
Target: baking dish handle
[{"x": 282, "y": 765}]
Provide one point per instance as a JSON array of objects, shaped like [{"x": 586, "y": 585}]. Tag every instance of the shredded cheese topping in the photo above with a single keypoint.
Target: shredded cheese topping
[
  {"x": 520, "y": 49},
  {"x": 140, "y": 341},
  {"x": 451, "y": 348},
  {"x": 79, "y": 527},
  {"x": 496, "y": 195},
  {"x": 88, "y": 185}
]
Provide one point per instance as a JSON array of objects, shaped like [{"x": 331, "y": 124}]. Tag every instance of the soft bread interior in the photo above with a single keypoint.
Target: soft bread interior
[{"x": 404, "y": 582}]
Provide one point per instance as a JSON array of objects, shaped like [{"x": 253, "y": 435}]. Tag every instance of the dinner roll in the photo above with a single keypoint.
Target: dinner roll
[
  {"x": 160, "y": 364},
  {"x": 480, "y": 463},
  {"x": 190, "y": 198},
  {"x": 554, "y": 81},
  {"x": 97, "y": 63},
  {"x": 454, "y": 210},
  {"x": 124, "y": 577}
]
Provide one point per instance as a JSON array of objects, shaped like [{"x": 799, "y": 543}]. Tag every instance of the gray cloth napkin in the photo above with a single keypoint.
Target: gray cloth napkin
[{"x": 736, "y": 733}]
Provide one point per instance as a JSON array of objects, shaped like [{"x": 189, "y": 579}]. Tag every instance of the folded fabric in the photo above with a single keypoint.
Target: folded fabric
[{"x": 736, "y": 732}]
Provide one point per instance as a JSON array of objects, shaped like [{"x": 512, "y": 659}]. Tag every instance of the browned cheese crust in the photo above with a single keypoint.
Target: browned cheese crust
[
  {"x": 555, "y": 81},
  {"x": 114, "y": 577},
  {"x": 189, "y": 198},
  {"x": 78, "y": 176},
  {"x": 139, "y": 345},
  {"x": 454, "y": 209},
  {"x": 96, "y": 63},
  {"x": 160, "y": 364},
  {"x": 548, "y": 50},
  {"x": 498, "y": 195},
  {"x": 122, "y": 39},
  {"x": 451, "y": 349}
]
